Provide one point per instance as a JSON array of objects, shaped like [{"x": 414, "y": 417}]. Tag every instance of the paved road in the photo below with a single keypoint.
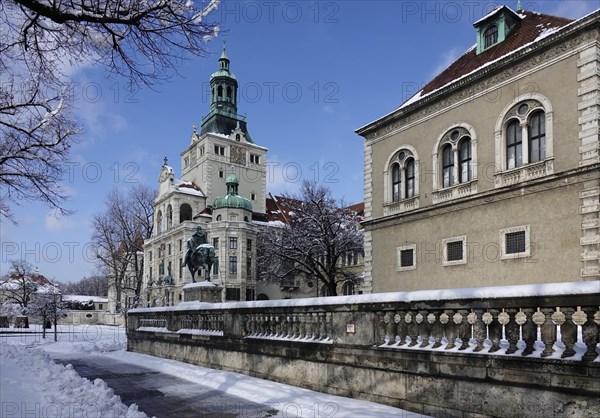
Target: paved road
[{"x": 162, "y": 395}]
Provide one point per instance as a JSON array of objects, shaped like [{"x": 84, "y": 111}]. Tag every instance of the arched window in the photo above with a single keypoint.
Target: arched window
[
  {"x": 409, "y": 175},
  {"x": 220, "y": 93},
  {"x": 185, "y": 213},
  {"x": 401, "y": 180},
  {"x": 159, "y": 221},
  {"x": 169, "y": 217},
  {"x": 348, "y": 288},
  {"x": 396, "y": 182},
  {"x": 537, "y": 137},
  {"x": 490, "y": 36},
  {"x": 447, "y": 166},
  {"x": 464, "y": 157},
  {"x": 218, "y": 218},
  {"x": 514, "y": 145},
  {"x": 324, "y": 291}
]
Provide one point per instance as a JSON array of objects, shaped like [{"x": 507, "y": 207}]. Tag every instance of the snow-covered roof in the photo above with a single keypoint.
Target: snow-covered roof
[
  {"x": 492, "y": 292},
  {"x": 84, "y": 298},
  {"x": 532, "y": 28}
]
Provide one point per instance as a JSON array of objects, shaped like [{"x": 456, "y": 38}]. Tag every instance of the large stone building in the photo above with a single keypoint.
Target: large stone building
[
  {"x": 222, "y": 189},
  {"x": 490, "y": 174}
]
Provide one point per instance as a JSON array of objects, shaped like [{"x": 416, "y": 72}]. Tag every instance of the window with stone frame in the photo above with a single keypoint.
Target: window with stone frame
[
  {"x": 233, "y": 264},
  {"x": 454, "y": 251},
  {"x": 454, "y": 159},
  {"x": 406, "y": 257},
  {"x": 515, "y": 242},
  {"x": 402, "y": 176},
  {"x": 233, "y": 243}
]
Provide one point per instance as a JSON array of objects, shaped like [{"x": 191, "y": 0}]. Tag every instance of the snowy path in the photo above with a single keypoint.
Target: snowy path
[{"x": 92, "y": 349}]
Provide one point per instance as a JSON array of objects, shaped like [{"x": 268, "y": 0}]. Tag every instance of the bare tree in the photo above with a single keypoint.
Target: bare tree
[
  {"x": 43, "y": 41},
  {"x": 119, "y": 234},
  {"x": 49, "y": 307},
  {"x": 22, "y": 282},
  {"x": 319, "y": 232},
  {"x": 96, "y": 285}
]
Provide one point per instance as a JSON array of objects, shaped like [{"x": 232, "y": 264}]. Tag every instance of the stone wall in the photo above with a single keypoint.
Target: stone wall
[{"x": 503, "y": 356}]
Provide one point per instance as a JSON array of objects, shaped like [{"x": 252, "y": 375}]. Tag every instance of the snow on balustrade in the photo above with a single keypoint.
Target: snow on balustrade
[
  {"x": 568, "y": 332},
  {"x": 313, "y": 327},
  {"x": 556, "y": 321}
]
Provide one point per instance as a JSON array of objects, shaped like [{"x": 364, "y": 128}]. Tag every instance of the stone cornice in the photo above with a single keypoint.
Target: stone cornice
[{"x": 503, "y": 193}]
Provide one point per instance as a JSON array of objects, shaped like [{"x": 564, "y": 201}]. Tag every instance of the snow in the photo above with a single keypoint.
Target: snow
[
  {"x": 33, "y": 385},
  {"x": 205, "y": 283},
  {"x": 491, "y": 292},
  {"x": 36, "y": 386},
  {"x": 84, "y": 298}
]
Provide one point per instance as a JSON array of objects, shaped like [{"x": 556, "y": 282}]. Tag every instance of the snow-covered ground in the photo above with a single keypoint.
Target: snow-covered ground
[{"x": 31, "y": 384}]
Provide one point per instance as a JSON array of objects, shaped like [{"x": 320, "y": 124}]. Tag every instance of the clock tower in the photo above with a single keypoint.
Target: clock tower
[{"x": 224, "y": 143}]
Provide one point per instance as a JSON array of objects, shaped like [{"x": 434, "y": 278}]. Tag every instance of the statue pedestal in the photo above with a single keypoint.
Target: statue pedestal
[{"x": 202, "y": 292}]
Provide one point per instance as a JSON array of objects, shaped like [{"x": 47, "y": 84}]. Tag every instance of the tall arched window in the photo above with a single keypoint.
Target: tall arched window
[
  {"x": 159, "y": 222},
  {"x": 490, "y": 36},
  {"x": 514, "y": 145},
  {"x": 185, "y": 213},
  {"x": 409, "y": 175},
  {"x": 348, "y": 288},
  {"x": 447, "y": 166},
  {"x": 464, "y": 157},
  {"x": 220, "y": 93},
  {"x": 537, "y": 137},
  {"x": 395, "y": 182},
  {"x": 228, "y": 93}
]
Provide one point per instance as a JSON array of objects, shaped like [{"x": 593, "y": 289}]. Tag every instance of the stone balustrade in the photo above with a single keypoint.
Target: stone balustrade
[{"x": 436, "y": 352}]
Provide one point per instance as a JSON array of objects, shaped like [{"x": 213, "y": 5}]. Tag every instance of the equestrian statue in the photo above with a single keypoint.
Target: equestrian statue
[{"x": 200, "y": 254}]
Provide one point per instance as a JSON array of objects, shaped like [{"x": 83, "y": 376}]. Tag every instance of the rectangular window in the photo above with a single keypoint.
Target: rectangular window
[
  {"x": 455, "y": 251},
  {"x": 406, "y": 257},
  {"x": 249, "y": 294},
  {"x": 202, "y": 150},
  {"x": 149, "y": 255},
  {"x": 232, "y": 243},
  {"x": 180, "y": 268},
  {"x": 255, "y": 159},
  {"x": 233, "y": 264},
  {"x": 180, "y": 245},
  {"x": 169, "y": 269},
  {"x": 515, "y": 242},
  {"x": 216, "y": 266},
  {"x": 232, "y": 294},
  {"x": 150, "y": 272},
  {"x": 100, "y": 306},
  {"x": 219, "y": 150},
  {"x": 249, "y": 245},
  {"x": 169, "y": 249},
  {"x": 249, "y": 267}
]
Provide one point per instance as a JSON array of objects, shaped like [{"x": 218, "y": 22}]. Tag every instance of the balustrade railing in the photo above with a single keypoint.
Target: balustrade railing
[{"x": 553, "y": 325}]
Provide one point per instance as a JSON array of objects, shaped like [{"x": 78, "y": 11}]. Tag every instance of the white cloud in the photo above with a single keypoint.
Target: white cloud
[
  {"x": 55, "y": 222},
  {"x": 446, "y": 59}
]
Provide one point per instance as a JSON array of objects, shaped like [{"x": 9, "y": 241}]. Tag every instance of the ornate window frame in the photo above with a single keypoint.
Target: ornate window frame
[
  {"x": 404, "y": 203},
  {"x": 399, "y": 250},
  {"x": 445, "y": 242},
  {"x": 503, "y": 250},
  {"x": 504, "y": 176},
  {"x": 454, "y": 136}
]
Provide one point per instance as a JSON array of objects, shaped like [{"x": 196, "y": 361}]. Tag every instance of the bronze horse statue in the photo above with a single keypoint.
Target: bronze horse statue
[{"x": 199, "y": 254}]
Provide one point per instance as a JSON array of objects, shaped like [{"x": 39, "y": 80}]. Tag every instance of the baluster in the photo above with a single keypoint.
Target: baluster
[
  {"x": 388, "y": 328},
  {"x": 568, "y": 331},
  {"x": 444, "y": 319},
  {"x": 328, "y": 322},
  {"x": 312, "y": 323},
  {"x": 301, "y": 327},
  {"x": 590, "y": 332},
  {"x": 479, "y": 329},
  {"x": 495, "y": 331},
  {"x": 423, "y": 328},
  {"x": 529, "y": 331},
  {"x": 401, "y": 327},
  {"x": 548, "y": 331},
  {"x": 451, "y": 330},
  {"x": 295, "y": 326},
  {"x": 437, "y": 330},
  {"x": 464, "y": 328},
  {"x": 503, "y": 319},
  {"x": 322, "y": 326},
  {"x": 511, "y": 330},
  {"x": 411, "y": 327}
]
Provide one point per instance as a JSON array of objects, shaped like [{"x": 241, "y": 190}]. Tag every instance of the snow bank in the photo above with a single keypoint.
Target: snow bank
[{"x": 33, "y": 385}]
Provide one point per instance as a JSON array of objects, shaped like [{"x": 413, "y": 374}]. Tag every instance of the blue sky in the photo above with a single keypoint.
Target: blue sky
[{"x": 310, "y": 73}]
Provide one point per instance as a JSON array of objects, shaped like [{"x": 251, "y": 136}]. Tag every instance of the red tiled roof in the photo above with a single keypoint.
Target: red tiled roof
[{"x": 525, "y": 31}]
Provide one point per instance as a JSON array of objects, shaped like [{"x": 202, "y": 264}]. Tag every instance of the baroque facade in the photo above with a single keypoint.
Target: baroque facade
[
  {"x": 490, "y": 175},
  {"x": 222, "y": 189}
]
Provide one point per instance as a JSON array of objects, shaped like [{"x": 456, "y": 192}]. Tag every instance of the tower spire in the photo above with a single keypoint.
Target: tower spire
[{"x": 518, "y": 7}]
